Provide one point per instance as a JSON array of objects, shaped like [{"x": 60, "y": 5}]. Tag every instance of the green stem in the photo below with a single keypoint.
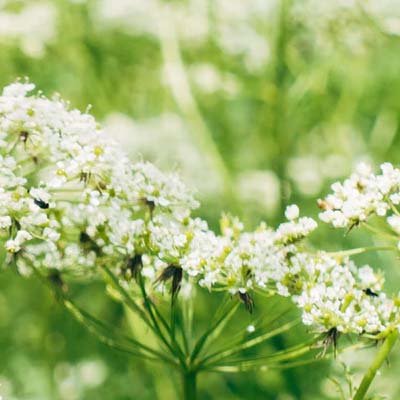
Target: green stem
[
  {"x": 106, "y": 335},
  {"x": 203, "y": 339},
  {"x": 376, "y": 364},
  {"x": 154, "y": 313},
  {"x": 189, "y": 385},
  {"x": 126, "y": 297},
  {"x": 360, "y": 250},
  {"x": 251, "y": 363},
  {"x": 379, "y": 232},
  {"x": 220, "y": 355},
  {"x": 157, "y": 329},
  {"x": 394, "y": 208},
  {"x": 103, "y": 332}
]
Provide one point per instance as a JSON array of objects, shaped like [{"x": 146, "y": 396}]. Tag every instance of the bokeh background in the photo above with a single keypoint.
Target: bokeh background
[{"x": 257, "y": 103}]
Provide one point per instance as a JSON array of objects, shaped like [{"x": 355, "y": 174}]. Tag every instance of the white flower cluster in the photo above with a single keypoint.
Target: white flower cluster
[
  {"x": 71, "y": 201},
  {"x": 340, "y": 295},
  {"x": 362, "y": 195},
  {"x": 68, "y": 193},
  {"x": 330, "y": 292}
]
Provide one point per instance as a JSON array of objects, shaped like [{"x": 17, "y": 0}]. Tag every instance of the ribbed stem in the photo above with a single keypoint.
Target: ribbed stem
[
  {"x": 376, "y": 364},
  {"x": 189, "y": 385}
]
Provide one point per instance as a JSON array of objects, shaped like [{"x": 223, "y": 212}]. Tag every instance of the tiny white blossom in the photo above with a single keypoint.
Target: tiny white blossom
[
  {"x": 292, "y": 212},
  {"x": 5, "y": 222}
]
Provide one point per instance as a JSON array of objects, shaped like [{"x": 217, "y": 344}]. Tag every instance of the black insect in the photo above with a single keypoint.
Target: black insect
[
  {"x": 369, "y": 292},
  {"x": 151, "y": 205},
  {"x": 40, "y": 203},
  {"x": 84, "y": 237},
  {"x": 247, "y": 300}
]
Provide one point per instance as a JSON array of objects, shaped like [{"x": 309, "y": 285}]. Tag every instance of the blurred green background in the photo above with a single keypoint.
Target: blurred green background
[{"x": 257, "y": 103}]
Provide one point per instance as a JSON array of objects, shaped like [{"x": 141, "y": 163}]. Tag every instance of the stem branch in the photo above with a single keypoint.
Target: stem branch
[{"x": 376, "y": 364}]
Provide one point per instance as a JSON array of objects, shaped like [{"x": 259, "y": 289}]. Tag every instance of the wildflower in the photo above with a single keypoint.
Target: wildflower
[
  {"x": 14, "y": 245},
  {"x": 5, "y": 222},
  {"x": 362, "y": 195},
  {"x": 91, "y": 206}
]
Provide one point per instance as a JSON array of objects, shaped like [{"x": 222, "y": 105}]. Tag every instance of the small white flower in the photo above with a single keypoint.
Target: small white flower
[
  {"x": 22, "y": 236},
  {"x": 5, "y": 222},
  {"x": 12, "y": 246},
  {"x": 40, "y": 194},
  {"x": 292, "y": 212},
  {"x": 51, "y": 234}
]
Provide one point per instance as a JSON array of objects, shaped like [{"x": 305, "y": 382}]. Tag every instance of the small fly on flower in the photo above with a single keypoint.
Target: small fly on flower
[
  {"x": 40, "y": 203},
  {"x": 370, "y": 293},
  {"x": 247, "y": 300}
]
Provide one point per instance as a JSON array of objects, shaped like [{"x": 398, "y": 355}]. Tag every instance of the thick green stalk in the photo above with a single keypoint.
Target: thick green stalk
[
  {"x": 376, "y": 364},
  {"x": 189, "y": 385}
]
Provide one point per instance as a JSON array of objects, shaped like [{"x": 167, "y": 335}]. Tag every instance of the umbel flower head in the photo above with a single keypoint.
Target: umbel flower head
[
  {"x": 71, "y": 201},
  {"x": 362, "y": 195}
]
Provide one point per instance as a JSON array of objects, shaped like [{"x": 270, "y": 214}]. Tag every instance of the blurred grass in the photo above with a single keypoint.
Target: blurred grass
[{"x": 258, "y": 134}]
